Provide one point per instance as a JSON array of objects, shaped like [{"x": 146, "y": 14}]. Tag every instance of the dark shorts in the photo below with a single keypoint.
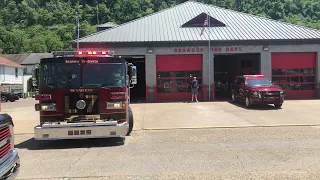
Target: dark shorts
[{"x": 194, "y": 91}]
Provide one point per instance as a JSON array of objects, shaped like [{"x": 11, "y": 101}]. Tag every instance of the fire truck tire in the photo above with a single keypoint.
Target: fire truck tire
[{"x": 130, "y": 122}]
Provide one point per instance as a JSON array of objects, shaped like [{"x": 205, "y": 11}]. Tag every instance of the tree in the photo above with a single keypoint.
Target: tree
[{"x": 13, "y": 42}]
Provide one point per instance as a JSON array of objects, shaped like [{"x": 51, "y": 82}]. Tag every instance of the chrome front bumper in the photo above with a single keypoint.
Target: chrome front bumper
[
  {"x": 80, "y": 130},
  {"x": 9, "y": 169}
]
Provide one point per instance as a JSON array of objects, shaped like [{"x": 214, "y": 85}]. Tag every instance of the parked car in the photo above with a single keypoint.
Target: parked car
[
  {"x": 256, "y": 89},
  {"x": 16, "y": 96},
  {"x": 6, "y": 96},
  {"x": 9, "y": 158},
  {"x": 19, "y": 94}
]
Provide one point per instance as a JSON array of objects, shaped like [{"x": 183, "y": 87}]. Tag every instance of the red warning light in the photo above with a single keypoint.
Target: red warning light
[
  {"x": 80, "y": 52},
  {"x": 89, "y": 52},
  {"x": 94, "y": 52},
  {"x": 103, "y": 52}
]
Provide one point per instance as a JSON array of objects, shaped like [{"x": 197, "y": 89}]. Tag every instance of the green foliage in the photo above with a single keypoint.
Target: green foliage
[{"x": 50, "y": 25}]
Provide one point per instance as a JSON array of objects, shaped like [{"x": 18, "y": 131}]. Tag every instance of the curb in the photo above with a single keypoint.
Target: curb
[
  {"x": 200, "y": 127},
  {"x": 23, "y": 133},
  {"x": 220, "y": 127}
]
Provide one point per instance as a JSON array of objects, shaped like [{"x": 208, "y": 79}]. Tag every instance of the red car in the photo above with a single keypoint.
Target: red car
[{"x": 256, "y": 89}]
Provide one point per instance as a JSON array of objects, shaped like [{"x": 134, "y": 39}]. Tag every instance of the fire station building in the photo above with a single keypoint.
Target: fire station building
[{"x": 167, "y": 49}]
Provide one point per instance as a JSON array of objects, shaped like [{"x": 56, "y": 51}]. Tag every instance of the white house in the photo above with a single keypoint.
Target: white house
[
  {"x": 11, "y": 76},
  {"x": 28, "y": 61}
]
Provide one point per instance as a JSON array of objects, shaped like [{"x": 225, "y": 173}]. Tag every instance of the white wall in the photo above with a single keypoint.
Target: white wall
[
  {"x": 27, "y": 74},
  {"x": 8, "y": 75}
]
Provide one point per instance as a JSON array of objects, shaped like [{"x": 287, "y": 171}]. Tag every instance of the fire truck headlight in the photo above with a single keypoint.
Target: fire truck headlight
[
  {"x": 48, "y": 107},
  {"x": 116, "y": 105}
]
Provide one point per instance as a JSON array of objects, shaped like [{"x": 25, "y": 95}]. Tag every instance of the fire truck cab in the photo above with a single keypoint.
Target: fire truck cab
[{"x": 84, "y": 95}]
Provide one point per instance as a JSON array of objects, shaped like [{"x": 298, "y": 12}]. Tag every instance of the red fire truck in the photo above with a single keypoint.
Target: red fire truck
[{"x": 84, "y": 95}]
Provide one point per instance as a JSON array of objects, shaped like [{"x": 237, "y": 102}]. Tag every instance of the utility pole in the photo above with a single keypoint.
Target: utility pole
[
  {"x": 77, "y": 22},
  {"x": 97, "y": 8},
  {"x": 209, "y": 46}
]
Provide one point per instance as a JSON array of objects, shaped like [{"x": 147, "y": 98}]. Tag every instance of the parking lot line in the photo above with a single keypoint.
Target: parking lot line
[
  {"x": 23, "y": 133},
  {"x": 248, "y": 126},
  {"x": 284, "y": 125},
  {"x": 200, "y": 127}
]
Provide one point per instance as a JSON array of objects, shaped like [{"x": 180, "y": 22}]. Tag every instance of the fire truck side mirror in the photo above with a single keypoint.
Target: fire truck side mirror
[
  {"x": 133, "y": 74},
  {"x": 35, "y": 75}
]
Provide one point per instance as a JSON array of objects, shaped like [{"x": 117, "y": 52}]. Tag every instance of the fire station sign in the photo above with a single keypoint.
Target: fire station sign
[
  {"x": 183, "y": 50},
  {"x": 212, "y": 49},
  {"x": 226, "y": 49}
]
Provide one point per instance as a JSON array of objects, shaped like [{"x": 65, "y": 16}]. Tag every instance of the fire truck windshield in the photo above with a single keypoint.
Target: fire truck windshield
[
  {"x": 103, "y": 75},
  {"x": 61, "y": 75}
]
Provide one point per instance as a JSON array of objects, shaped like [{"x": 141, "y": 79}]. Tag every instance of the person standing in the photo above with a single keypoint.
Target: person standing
[{"x": 194, "y": 89}]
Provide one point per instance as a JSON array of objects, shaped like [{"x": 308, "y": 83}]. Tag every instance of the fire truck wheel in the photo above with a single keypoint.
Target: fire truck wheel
[{"x": 130, "y": 122}]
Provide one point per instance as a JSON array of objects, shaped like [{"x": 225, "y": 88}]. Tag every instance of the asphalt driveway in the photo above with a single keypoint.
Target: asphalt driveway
[
  {"x": 237, "y": 146},
  {"x": 156, "y": 116}
]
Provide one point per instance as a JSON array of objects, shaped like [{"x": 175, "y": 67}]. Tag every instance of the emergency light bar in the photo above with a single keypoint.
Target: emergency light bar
[
  {"x": 256, "y": 76},
  {"x": 83, "y": 53}
]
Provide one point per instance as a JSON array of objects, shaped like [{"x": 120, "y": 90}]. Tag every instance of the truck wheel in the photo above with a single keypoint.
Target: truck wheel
[
  {"x": 130, "y": 122},
  {"x": 278, "y": 106},
  {"x": 4, "y": 99}
]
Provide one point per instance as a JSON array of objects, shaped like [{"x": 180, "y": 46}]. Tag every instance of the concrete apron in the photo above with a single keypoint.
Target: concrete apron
[{"x": 161, "y": 116}]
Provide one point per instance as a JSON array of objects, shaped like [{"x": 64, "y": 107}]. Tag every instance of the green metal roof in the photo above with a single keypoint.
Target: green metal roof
[{"x": 172, "y": 24}]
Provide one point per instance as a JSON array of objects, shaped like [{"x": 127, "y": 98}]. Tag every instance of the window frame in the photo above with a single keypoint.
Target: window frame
[
  {"x": 173, "y": 86},
  {"x": 16, "y": 71},
  {"x": 286, "y": 84}
]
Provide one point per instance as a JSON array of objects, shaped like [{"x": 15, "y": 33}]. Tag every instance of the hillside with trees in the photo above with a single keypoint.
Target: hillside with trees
[{"x": 49, "y": 25}]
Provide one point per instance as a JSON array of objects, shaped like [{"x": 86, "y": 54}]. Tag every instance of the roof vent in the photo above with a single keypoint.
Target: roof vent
[{"x": 198, "y": 21}]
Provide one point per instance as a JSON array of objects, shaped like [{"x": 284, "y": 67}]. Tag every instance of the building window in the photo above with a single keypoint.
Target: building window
[
  {"x": 295, "y": 78},
  {"x": 16, "y": 72},
  {"x": 176, "y": 81}
]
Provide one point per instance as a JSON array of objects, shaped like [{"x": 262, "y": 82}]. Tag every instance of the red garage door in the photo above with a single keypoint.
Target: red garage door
[
  {"x": 296, "y": 73},
  {"x": 173, "y": 76}
]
